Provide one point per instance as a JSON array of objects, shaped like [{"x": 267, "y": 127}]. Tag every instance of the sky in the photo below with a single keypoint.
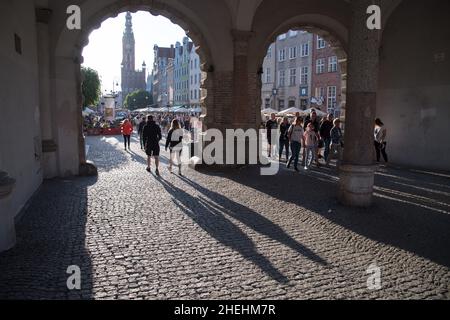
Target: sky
[{"x": 104, "y": 51}]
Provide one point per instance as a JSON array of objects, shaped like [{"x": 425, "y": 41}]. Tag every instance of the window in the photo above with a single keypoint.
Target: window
[
  {"x": 331, "y": 100},
  {"x": 268, "y": 76},
  {"x": 320, "y": 66},
  {"x": 282, "y": 55},
  {"x": 320, "y": 43},
  {"x": 320, "y": 92},
  {"x": 282, "y": 78},
  {"x": 269, "y": 52},
  {"x": 195, "y": 78},
  {"x": 291, "y": 104},
  {"x": 292, "y": 53},
  {"x": 281, "y": 104},
  {"x": 305, "y": 50},
  {"x": 293, "y": 77},
  {"x": 304, "y": 75},
  {"x": 332, "y": 64}
]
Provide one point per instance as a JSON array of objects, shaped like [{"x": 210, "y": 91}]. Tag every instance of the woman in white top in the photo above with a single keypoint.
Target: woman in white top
[
  {"x": 295, "y": 135},
  {"x": 380, "y": 134}
]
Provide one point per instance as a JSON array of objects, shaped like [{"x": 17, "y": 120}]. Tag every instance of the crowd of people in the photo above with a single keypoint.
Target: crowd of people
[
  {"x": 313, "y": 136},
  {"x": 300, "y": 141},
  {"x": 150, "y": 130}
]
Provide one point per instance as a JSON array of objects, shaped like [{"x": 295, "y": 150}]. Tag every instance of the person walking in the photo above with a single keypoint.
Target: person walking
[
  {"x": 337, "y": 143},
  {"x": 126, "y": 129},
  {"x": 311, "y": 144},
  {"x": 271, "y": 125},
  {"x": 142, "y": 124},
  {"x": 325, "y": 134},
  {"x": 284, "y": 138},
  {"x": 152, "y": 136},
  {"x": 174, "y": 143},
  {"x": 380, "y": 134},
  {"x": 296, "y": 138}
]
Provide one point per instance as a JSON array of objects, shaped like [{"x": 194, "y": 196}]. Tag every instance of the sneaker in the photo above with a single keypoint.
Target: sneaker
[
  {"x": 306, "y": 168},
  {"x": 148, "y": 170},
  {"x": 157, "y": 172},
  {"x": 179, "y": 172}
]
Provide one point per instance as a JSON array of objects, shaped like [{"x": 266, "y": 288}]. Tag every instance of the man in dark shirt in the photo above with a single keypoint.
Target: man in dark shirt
[
  {"x": 325, "y": 134},
  {"x": 151, "y": 136},
  {"x": 271, "y": 125}
]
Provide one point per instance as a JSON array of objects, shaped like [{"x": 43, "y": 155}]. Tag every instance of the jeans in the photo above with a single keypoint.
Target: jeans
[
  {"x": 125, "y": 140},
  {"x": 284, "y": 144},
  {"x": 380, "y": 149},
  {"x": 327, "y": 143},
  {"x": 295, "y": 147},
  {"x": 310, "y": 150}
]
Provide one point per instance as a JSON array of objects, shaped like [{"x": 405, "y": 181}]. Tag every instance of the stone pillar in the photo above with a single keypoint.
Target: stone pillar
[
  {"x": 358, "y": 168},
  {"x": 244, "y": 83},
  {"x": 66, "y": 113},
  {"x": 7, "y": 226},
  {"x": 49, "y": 146}
]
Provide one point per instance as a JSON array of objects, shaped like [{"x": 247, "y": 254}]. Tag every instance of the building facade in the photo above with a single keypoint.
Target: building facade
[
  {"x": 181, "y": 72},
  {"x": 170, "y": 82},
  {"x": 160, "y": 87},
  {"x": 286, "y": 78},
  {"x": 132, "y": 80},
  {"x": 195, "y": 79},
  {"x": 326, "y": 78}
]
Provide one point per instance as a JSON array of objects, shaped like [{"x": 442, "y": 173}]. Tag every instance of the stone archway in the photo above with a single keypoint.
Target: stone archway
[
  {"x": 337, "y": 41},
  {"x": 65, "y": 68}
]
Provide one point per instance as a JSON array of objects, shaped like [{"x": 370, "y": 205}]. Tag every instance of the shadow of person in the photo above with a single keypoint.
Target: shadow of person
[
  {"x": 254, "y": 221},
  {"x": 213, "y": 221}
]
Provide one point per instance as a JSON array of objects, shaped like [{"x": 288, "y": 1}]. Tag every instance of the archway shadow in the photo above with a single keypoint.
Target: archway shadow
[
  {"x": 210, "y": 213},
  {"x": 51, "y": 236},
  {"x": 410, "y": 211}
]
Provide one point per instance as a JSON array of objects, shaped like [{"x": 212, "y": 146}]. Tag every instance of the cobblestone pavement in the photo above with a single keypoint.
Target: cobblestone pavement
[{"x": 228, "y": 234}]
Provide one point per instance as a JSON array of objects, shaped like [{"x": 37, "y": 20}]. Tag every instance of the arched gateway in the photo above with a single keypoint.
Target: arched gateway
[{"x": 41, "y": 95}]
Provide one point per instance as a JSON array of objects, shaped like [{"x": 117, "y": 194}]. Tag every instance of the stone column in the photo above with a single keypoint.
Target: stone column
[
  {"x": 358, "y": 168},
  {"x": 244, "y": 83},
  {"x": 49, "y": 146},
  {"x": 7, "y": 226}
]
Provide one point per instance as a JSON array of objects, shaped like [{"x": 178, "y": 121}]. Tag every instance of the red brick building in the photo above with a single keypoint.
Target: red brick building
[{"x": 326, "y": 78}]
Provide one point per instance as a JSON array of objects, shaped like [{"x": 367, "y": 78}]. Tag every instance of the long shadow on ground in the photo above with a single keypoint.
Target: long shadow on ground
[
  {"x": 215, "y": 207},
  {"x": 413, "y": 216}
]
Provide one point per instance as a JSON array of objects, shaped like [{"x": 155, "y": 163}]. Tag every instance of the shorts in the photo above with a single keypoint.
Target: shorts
[{"x": 153, "y": 150}]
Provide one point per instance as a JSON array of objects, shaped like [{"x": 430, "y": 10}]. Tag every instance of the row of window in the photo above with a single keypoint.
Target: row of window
[
  {"x": 332, "y": 65},
  {"x": 304, "y": 76},
  {"x": 328, "y": 95},
  {"x": 194, "y": 94},
  {"x": 303, "y": 50},
  {"x": 304, "y": 72},
  {"x": 195, "y": 79},
  {"x": 195, "y": 63}
]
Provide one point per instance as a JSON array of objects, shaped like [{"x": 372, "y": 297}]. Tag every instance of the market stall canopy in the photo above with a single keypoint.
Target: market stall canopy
[
  {"x": 319, "y": 113},
  {"x": 292, "y": 111},
  {"x": 269, "y": 111}
]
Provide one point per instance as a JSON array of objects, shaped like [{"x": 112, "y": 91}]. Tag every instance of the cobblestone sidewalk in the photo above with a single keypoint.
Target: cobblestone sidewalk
[{"x": 228, "y": 234}]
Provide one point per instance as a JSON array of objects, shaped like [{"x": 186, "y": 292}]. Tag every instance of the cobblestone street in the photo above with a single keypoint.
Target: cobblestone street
[{"x": 228, "y": 234}]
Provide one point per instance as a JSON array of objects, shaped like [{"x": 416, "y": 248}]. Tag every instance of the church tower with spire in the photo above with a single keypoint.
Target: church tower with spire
[{"x": 132, "y": 80}]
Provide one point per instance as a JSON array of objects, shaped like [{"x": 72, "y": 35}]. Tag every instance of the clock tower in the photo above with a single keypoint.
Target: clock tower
[
  {"x": 132, "y": 80},
  {"x": 128, "y": 45}
]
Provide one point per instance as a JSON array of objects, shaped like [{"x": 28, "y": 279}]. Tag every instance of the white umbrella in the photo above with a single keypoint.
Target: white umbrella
[
  {"x": 291, "y": 111},
  {"x": 269, "y": 111},
  {"x": 319, "y": 113}
]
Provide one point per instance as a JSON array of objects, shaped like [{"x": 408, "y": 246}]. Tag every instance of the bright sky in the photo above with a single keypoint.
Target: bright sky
[{"x": 104, "y": 51}]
